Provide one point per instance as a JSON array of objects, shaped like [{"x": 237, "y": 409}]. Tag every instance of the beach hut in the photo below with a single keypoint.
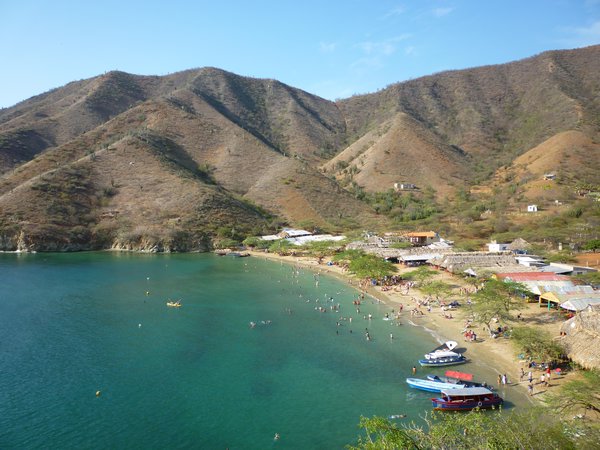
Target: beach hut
[{"x": 581, "y": 337}]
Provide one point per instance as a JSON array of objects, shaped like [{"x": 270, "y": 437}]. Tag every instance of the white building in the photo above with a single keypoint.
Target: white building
[{"x": 497, "y": 247}]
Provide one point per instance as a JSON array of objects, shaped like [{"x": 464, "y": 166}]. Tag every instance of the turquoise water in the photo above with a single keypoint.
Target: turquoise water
[{"x": 197, "y": 376}]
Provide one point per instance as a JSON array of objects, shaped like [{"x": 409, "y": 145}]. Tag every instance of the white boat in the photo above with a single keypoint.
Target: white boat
[
  {"x": 431, "y": 385},
  {"x": 443, "y": 356}
]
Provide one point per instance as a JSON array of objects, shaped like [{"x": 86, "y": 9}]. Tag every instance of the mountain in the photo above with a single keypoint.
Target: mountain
[{"x": 178, "y": 162}]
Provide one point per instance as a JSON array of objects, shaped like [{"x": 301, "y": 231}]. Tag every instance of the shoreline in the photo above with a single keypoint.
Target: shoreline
[{"x": 493, "y": 355}]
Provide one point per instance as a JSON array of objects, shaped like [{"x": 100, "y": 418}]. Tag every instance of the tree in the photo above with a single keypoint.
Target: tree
[
  {"x": 281, "y": 247},
  {"x": 257, "y": 242},
  {"x": 321, "y": 249},
  {"x": 497, "y": 300},
  {"x": 371, "y": 266},
  {"x": 537, "y": 344},
  {"x": 579, "y": 395},
  {"x": 531, "y": 429},
  {"x": 593, "y": 244},
  {"x": 436, "y": 288},
  {"x": 420, "y": 275},
  {"x": 592, "y": 278}
]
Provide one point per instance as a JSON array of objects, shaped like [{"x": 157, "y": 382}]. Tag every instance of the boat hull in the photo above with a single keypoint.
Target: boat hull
[
  {"x": 430, "y": 386},
  {"x": 443, "y": 405},
  {"x": 440, "y": 362}
]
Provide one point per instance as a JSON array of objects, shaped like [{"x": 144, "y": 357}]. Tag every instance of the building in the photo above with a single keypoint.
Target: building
[
  {"x": 532, "y": 208},
  {"x": 419, "y": 238},
  {"x": 539, "y": 282},
  {"x": 549, "y": 176},
  {"x": 404, "y": 186},
  {"x": 495, "y": 246},
  {"x": 581, "y": 337},
  {"x": 285, "y": 234},
  {"x": 474, "y": 263}
]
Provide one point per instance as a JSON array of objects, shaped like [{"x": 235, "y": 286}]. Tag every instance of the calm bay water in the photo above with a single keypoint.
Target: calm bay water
[{"x": 197, "y": 376}]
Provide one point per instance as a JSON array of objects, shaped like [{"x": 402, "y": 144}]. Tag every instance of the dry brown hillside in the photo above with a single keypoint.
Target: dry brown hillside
[
  {"x": 571, "y": 156},
  {"x": 401, "y": 150},
  {"x": 177, "y": 161}
]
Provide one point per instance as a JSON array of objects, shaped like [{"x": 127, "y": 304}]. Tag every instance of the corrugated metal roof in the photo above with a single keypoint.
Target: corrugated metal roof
[
  {"x": 532, "y": 276},
  {"x": 579, "y": 304}
]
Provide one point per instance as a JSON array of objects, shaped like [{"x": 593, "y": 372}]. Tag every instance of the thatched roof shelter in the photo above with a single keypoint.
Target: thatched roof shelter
[
  {"x": 582, "y": 340},
  {"x": 519, "y": 244},
  {"x": 459, "y": 262}
]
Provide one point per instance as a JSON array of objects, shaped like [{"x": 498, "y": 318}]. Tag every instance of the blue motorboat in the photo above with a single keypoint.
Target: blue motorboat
[{"x": 431, "y": 385}]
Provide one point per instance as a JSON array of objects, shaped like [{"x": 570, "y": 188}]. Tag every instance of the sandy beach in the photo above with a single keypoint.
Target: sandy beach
[{"x": 499, "y": 354}]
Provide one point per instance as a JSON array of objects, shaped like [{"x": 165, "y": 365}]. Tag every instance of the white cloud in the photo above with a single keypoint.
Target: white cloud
[
  {"x": 327, "y": 47},
  {"x": 394, "y": 12},
  {"x": 583, "y": 36},
  {"x": 440, "y": 12},
  {"x": 375, "y": 54},
  {"x": 385, "y": 47},
  {"x": 410, "y": 50}
]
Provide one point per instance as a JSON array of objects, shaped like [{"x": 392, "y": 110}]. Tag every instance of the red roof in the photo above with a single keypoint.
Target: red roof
[{"x": 532, "y": 276}]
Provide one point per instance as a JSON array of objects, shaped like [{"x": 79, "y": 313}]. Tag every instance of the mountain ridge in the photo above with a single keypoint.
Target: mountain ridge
[{"x": 287, "y": 155}]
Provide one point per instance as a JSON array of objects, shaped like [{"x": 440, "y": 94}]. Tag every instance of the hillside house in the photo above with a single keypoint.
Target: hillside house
[
  {"x": 420, "y": 238},
  {"x": 532, "y": 208},
  {"x": 404, "y": 186},
  {"x": 549, "y": 176},
  {"x": 497, "y": 247}
]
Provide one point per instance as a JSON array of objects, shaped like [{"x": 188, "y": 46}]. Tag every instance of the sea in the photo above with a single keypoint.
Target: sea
[{"x": 91, "y": 357}]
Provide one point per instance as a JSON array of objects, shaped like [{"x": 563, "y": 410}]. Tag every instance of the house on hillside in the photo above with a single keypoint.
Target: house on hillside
[
  {"x": 495, "y": 246},
  {"x": 404, "y": 186},
  {"x": 420, "y": 238},
  {"x": 549, "y": 176},
  {"x": 532, "y": 208}
]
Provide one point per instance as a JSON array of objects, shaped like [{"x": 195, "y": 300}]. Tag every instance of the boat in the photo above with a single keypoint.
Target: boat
[
  {"x": 176, "y": 304},
  {"x": 459, "y": 379},
  {"x": 466, "y": 399},
  {"x": 443, "y": 356},
  {"x": 442, "y": 359},
  {"x": 431, "y": 385}
]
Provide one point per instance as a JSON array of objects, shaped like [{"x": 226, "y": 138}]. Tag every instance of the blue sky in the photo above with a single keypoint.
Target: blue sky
[{"x": 330, "y": 48}]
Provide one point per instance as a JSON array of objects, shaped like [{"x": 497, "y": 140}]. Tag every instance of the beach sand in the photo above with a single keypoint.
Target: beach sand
[{"x": 499, "y": 355}]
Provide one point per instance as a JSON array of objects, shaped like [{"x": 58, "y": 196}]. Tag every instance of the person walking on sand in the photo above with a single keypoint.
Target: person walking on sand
[
  {"x": 542, "y": 379},
  {"x": 530, "y": 377},
  {"x": 504, "y": 379},
  {"x": 522, "y": 374},
  {"x": 499, "y": 380},
  {"x": 530, "y": 389}
]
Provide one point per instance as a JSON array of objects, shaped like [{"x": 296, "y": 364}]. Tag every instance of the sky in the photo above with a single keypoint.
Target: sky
[{"x": 331, "y": 48}]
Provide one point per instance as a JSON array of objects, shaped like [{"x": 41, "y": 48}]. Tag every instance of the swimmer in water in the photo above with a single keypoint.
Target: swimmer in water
[{"x": 276, "y": 438}]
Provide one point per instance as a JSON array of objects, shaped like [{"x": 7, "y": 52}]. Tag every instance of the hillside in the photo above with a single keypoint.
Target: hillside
[{"x": 182, "y": 161}]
